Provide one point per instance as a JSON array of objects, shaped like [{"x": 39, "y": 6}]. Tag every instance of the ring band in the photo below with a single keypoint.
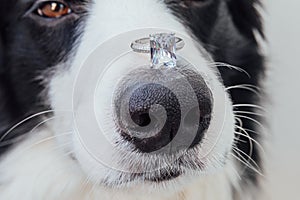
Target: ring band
[{"x": 143, "y": 45}]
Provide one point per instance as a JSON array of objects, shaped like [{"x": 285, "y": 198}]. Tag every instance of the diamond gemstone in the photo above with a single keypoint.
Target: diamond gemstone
[{"x": 163, "y": 50}]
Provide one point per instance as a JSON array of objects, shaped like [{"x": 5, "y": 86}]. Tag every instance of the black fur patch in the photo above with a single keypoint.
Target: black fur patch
[
  {"x": 30, "y": 47},
  {"x": 227, "y": 30}
]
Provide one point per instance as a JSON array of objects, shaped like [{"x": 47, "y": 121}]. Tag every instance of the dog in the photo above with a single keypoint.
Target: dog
[{"x": 42, "y": 46}]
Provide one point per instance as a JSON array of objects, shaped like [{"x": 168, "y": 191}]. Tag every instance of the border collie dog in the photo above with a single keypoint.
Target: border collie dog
[{"x": 50, "y": 144}]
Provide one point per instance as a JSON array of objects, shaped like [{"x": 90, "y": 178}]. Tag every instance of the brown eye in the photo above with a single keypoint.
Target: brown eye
[{"x": 53, "y": 9}]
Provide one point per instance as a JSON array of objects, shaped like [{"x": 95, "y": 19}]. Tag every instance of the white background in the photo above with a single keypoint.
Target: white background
[{"x": 282, "y": 21}]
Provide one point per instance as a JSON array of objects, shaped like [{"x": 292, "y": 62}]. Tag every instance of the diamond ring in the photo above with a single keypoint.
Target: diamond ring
[{"x": 162, "y": 47}]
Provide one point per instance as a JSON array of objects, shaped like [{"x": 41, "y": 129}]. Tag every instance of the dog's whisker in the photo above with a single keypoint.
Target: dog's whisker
[
  {"x": 51, "y": 138},
  {"x": 42, "y": 123},
  {"x": 250, "y": 86},
  {"x": 246, "y": 163},
  {"x": 12, "y": 141},
  {"x": 249, "y": 105},
  {"x": 246, "y": 134},
  {"x": 252, "y": 131},
  {"x": 239, "y": 121},
  {"x": 19, "y": 138},
  {"x": 237, "y": 139},
  {"x": 27, "y": 119},
  {"x": 251, "y": 119},
  {"x": 48, "y": 139},
  {"x": 249, "y": 159},
  {"x": 252, "y": 140},
  {"x": 248, "y": 112},
  {"x": 221, "y": 64},
  {"x": 244, "y": 87},
  {"x": 248, "y": 130},
  {"x": 239, "y": 152}
]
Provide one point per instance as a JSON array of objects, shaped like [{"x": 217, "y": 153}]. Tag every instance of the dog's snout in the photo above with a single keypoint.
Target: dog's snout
[
  {"x": 149, "y": 95},
  {"x": 155, "y": 106},
  {"x": 163, "y": 110}
]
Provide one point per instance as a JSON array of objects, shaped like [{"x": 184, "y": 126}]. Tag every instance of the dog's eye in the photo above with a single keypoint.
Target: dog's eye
[{"x": 53, "y": 9}]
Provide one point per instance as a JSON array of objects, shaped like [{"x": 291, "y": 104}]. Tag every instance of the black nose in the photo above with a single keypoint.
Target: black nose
[{"x": 163, "y": 110}]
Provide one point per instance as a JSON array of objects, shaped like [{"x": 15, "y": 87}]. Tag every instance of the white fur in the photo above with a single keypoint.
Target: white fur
[{"x": 43, "y": 172}]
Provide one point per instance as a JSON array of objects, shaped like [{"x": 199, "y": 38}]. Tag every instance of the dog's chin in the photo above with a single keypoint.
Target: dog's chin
[
  {"x": 169, "y": 181},
  {"x": 129, "y": 180},
  {"x": 173, "y": 177}
]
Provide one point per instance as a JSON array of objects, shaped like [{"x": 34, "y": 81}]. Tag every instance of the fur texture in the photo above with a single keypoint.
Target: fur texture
[{"x": 42, "y": 157}]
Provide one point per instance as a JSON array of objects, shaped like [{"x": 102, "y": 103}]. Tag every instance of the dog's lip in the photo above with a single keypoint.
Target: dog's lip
[
  {"x": 162, "y": 177},
  {"x": 143, "y": 177},
  {"x": 166, "y": 176}
]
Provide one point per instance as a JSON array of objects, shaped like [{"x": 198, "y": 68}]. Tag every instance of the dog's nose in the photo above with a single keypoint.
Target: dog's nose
[{"x": 163, "y": 110}]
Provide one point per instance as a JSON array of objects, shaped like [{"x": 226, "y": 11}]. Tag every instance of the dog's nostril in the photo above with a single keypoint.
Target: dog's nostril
[{"x": 141, "y": 119}]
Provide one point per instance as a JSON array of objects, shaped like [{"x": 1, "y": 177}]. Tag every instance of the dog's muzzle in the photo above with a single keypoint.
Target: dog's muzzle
[{"x": 164, "y": 108}]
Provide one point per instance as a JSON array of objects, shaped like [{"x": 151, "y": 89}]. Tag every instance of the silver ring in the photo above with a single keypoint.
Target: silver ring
[{"x": 143, "y": 45}]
